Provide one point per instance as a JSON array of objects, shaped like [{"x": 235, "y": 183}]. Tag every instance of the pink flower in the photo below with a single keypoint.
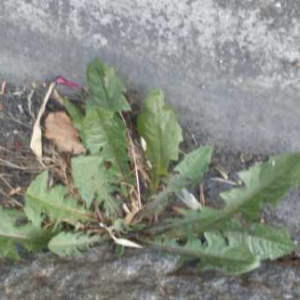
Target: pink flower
[{"x": 71, "y": 84}]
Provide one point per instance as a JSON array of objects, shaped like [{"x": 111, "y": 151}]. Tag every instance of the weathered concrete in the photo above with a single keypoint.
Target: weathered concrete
[
  {"x": 139, "y": 275},
  {"x": 228, "y": 65}
]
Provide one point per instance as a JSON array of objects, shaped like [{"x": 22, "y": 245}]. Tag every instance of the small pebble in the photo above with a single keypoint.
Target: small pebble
[
  {"x": 20, "y": 108},
  {"x": 278, "y": 5}
]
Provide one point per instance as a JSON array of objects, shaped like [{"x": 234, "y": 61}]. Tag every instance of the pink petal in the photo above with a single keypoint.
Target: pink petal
[{"x": 68, "y": 83}]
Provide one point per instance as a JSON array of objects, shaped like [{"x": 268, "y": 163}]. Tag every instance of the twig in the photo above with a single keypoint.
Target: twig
[
  {"x": 221, "y": 171},
  {"x": 4, "y": 193},
  {"x": 5, "y": 149},
  {"x": 96, "y": 230},
  {"x": 98, "y": 212},
  {"x": 12, "y": 118},
  {"x": 14, "y": 166},
  {"x": 48, "y": 225},
  {"x": 192, "y": 135},
  {"x": 130, "y": 186},
  {"x": 132, "y": 146},
  {"x": 3, "y": 86},
  {"x": 224, "y": 181},
  {"x": 202, "y": 197},
  {"x": 136, "y": 172},
  {"x": 57, "y": 97},
  {"x": 12, "y": 200},
  {"x": 29, "y": 103},
  {"x": 6, "y": 182},
  {"x": 16, "y": 191},
  {"x": 126, "y": 209}
]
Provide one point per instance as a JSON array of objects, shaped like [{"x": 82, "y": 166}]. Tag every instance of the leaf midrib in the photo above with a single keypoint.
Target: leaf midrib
[
  {"x": 227, "y": 211},
  {"x": 64, "y": 208},
  {"x": 16, "y": 236},
  {"x": 257, "y": 191},
  {"x": 65, "y": 244},
  {"x": 90, "y": 240},
  {"x": 103, "y": 87},
  {"x": 202, "y": 254},
  {"x": 262, "y": 239},
  {"x": 111, "y": 146}
]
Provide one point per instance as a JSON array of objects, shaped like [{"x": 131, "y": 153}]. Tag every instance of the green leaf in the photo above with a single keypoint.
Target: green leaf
[
  {"x": 263, "y": 241},
  {"x": 192, "y": 221},
  {"x": 195, "y": 164},
  {"x": 158, "y": 202},
  {"x": 191, "y": 169},
  {"x": 264, "y": 183},
  {"x": 214, "y": 254},
  {"x": 30, "y": 237},
  {"x": 76, "y": 115},
  {"x": 158, "y": 126},
  {"x": 105, "y": 134},
  {"x": 105, "y": 88},
  {"x": 54, "y": 202},
  {"x": 189, "y": 200},
  {"x": 95, "y": 181},
  {"x": 72, "y": 244}
]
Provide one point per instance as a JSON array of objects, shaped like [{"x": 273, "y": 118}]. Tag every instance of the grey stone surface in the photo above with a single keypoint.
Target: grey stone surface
[
  {"x": 139, "y": 275},
  {"x": 228, "y": 66}
]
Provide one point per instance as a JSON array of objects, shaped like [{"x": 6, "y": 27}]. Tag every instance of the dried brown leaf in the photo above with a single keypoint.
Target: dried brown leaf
[
  {"x": 60, "y": 130},
  {"x": 15, "y": 191},
  {"x": 3, "y": 86},
  {"x": 36, "y": 138},
  {"x": 57, "y": 97}
]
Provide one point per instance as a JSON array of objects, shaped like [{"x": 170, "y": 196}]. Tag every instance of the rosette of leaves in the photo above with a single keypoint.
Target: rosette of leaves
[{"x": 107, "y": 181}]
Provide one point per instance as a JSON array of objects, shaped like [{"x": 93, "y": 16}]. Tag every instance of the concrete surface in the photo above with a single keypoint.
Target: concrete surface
[
  {"x": 228, "y": 66},
  {"x": 139, "y": 276}
]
